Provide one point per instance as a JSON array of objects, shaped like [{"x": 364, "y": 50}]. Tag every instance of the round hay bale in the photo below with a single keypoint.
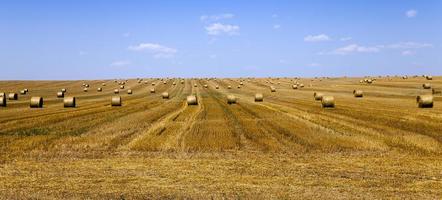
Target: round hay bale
[
  {"x": 86, "y": 85},
  {"x": 116, "y": 101},
  {"x": 164, "y": 82},
  {"x": 241, "y": 83},
  {"x": 103, "y": 84},
  {"x": 26, "y": 90},
  {"x": 182, "y": 81},
  {"x": 231, "y": 99},
  {"x": 301, "y": 85},
  {"x": 116, "y": 91},
  {"x": 84, "y": 89},
  {"x": 121, "y": 86},
  {"x": 195, "y": 85},
  {"x": 69, "y": 102},
  {"x": 361, "y": 81},
  {"x": 63, "y": 90},
  {"x": 429, "y": 78},
  {"x": 60, "y": 94},
  {"x": 22, "y": 92},
  {"x": 165, "y": 95},
  {"x": 2, "y": 94},
  {"x": 239, "y": 87},
  {"x": 358, "y": 93},
  {"x": 153, "y": 84},
  {"x": 369, "y": 81},
  {"x": 318, "y": 96},
  {"x": 36, "y": 102},
  {"x": 129, "y": 91},
  {"x": 206, "y": 86},
  {"x": 272, "y": 89},
  {"x": 295, "y": 87},
  {"x": 328, "y": 102},
  {"x": 13, "y": 96},
  {"x": 152, "y": 90},
  {"x": 229, "y": 87},
  {"x": 173, "y": 83},
  {"x": 259, "y": 97},
  {"x": 424, "y": 101},
  {"x": 426, "y": 86},
  {"x": 99, "y": 89},
  {"x": 404, "y": 77},
  {"x": 216, "y": 87},
  {"x": 2, "y": 101},
  {"x": 192, "y": 100}
]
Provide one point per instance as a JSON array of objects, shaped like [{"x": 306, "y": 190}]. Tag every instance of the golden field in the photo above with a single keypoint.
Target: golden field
[{"x": 286, "y": 147}]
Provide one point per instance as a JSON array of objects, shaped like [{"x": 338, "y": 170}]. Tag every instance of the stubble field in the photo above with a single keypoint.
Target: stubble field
[{"x": 288, "y": 146}]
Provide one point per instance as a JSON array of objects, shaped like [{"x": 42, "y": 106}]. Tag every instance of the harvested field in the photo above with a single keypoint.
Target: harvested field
[{"x": 287, "y": 146}]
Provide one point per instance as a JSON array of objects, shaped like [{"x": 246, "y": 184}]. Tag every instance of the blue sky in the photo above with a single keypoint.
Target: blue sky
[{"x": 87, "y": 39}]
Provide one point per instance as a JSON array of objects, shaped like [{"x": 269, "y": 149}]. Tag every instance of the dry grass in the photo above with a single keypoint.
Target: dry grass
[{"x": 379, "y": 146}]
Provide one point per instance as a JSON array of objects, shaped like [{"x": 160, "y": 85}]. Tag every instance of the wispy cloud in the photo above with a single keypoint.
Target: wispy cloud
[
  {"x": 408, "y": 53},
  {"x": 206, "y": 18},
  {"x": 317, "y": 38},
  {"x": 158, "y": 51},
  {"x": 411, "y": 13},
  {"x": 346, "y": 39},
  {"x": 120, "y": 63},
  {"x": 220, "y": 29},
  {"x": 353, "y": 48},
  {"x": 407, "y": 45}
]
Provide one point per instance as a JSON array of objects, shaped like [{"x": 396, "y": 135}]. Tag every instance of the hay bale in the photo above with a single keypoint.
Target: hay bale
[
  {"x": 121, "y": 86},
  {"x": 239, "y": 87},
  {"x": 259, "y": 97},
  {"x": 63, "y": 90},
  {"x": 231, "y": 99},
  {"x": 404, "y": 77},
  {"x": 26, "y": 90},
  {"x": 424, "y": 101},
  {"x": 173, "y": 83},
  {"x": 99, "y": 89},
  {"x": 85, "y": 89},
  {"x": 116, "y": 101},
  {"x": 152, "y": 90},
  {"x": 22, "y": 92},
  {"x": 216, "y": 87},
  {"x": 195, "y": 85},
  {"x": 116, "y": 91},
  {"x": 426, "y": 86},
  {"x": 153, "y": 84},
  {"x": 328, "y": 102},
  {"x": 229, "y": 87},
  {"x": 301, "y": 85},
  {"x": 192, "y": 100},
  {"x": 358, "y": 93},
  {"x": 206, "y": 86},
  {"x": 129, "y": 91},
  {"x": 13, "y": 96},
  {"x": 60, "y": 94},
  {"x": 295, "y": 87},
  {"x": 2, "y": 101},
  {"x": 36, "y": 102},
  {"x": 182, "y": 81},
  {"x": 69, "y": 102},
  {"x": 2, "y": 94},
  {"x": 103, "y": 84},
  {"x": 165, "y": 95},
  {"x": 429, "y": 78},
  {"x": 241, "y": 83},
  {"x": 86, "y": 85},
  {"x": 164, "y": 82},
  {"x": 318, "y": 96},
  {"x": 272, "y": 89}
]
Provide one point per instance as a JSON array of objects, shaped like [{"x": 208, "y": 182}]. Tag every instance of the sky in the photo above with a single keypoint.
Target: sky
[{"x": 106, "y": 39}]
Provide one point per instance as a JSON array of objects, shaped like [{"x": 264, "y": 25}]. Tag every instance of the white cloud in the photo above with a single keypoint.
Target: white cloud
[
  {"x": 354, "y": 48},
  {"x": 407, "y": 45},
  {"x": 219, "y": 29},
  {"x": 346, "y": 39},
  {"x": 158, "y": 51},
  {"x": 411, "y": 13},
  {"x": 408, "y": 53},
  {"x": 317, "y": 38},
  {"x": 120, "y": 63},
  {"x": 217, "y": 17},
  {"x": 276, "y": 26}
]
